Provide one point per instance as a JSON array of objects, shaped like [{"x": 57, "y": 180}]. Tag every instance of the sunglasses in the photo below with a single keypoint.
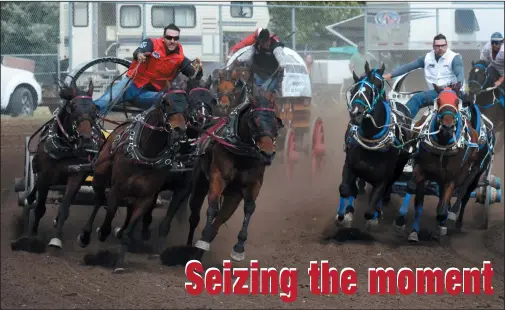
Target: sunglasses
[
  {"x": 439, "y": 46},
  {"x": 496, "y": 42},
  {"x": 169, "y": 38}
]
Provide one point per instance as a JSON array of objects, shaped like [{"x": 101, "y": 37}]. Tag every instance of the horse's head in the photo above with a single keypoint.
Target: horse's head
[
  {"x": 78, "y": 115},
  {"x": 226, "y": 82},
  {"x": 264, "y": 123},
  {"x": 478, "y": 77},
  {"x": 174, "y": 105},
  {"x": 361, "y": 99},
  {"x": 242, "y": 72},
  {"x": 448, "y": 105},
  {"x": 375, "y": 77},
  {"x": 200, "y": 100}
]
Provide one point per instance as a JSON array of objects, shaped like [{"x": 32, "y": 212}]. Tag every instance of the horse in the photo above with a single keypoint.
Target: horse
[
  {"x": 445, "y": 156},
  {"x": 233, "y": 169},
  {"x": 134, "y": 162},
  {"x": 480, "y": 78},
  {"x": 229, "y": 88},
  {"x": 201, "y": 104},
  {"x": 374, "y": 144},
  {"x": 70, "y": 138}
]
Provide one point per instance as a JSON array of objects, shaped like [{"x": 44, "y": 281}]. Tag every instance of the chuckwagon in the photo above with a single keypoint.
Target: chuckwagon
[{"x": 488, "y": 191}]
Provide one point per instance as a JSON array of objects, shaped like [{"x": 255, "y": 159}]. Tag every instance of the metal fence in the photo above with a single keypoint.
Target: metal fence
[{"x": 392, "y": 33}]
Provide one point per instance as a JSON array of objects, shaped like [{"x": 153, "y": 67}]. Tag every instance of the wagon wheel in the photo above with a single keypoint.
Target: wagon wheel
[
  {"x": 114, "y": 76},
  {"x": 290, "y": 155},
  {"x": 317, "y": 145}
]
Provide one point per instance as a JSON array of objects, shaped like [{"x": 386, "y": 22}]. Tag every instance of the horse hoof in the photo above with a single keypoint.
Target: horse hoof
[
  {"x": 56, "y": 243},
  {"x": 442, "y": 230},
  {"x": 119, "y": 270},
  {"x": 452, "y": 216},
  {"x": 413, "y": 237},
  {"x": 202, "y": 245},
  {"x": 238, "y": 257},
  {"x": 118, "y": 232},
  {"x": 80, "y": 242},
  {"x": 399, "y": 230},
  {"x": 372, "y": 224}
]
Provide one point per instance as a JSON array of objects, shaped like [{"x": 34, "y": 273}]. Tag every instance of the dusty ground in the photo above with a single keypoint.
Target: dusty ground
[{"x": 287, "y": 230}]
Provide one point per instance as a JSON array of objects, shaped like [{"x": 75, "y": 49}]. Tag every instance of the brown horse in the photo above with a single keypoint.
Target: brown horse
[
  {"x": 70, "y": 138},
  {"x": 233, "y": 168},
  {"x": 134, "y": 163},
  {"x": 178, "y": 180},
  {"x": 448, "y": 156},
  {"x": 229, "y": 89}
]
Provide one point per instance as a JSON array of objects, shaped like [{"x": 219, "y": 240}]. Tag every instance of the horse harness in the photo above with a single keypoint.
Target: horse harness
[
  {"x": 129, "y": 140},
  {"x": 58, "y": 147}
]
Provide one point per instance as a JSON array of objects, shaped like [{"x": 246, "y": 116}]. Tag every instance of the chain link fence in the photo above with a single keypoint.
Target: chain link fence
[{"x": 61, "y": 35}]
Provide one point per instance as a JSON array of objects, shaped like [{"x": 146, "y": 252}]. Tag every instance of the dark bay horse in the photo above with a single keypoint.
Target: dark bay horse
[
  {"x": 134, "y": 163},
  {"x": 234, "y": 168},
  {"x": 72, "y": 137},
  {"x": 178, "y": 180},
  {"x": 447, "y": 155},
  {"x": 490, "y": 102},
  {"x": 375, "y": 142}
]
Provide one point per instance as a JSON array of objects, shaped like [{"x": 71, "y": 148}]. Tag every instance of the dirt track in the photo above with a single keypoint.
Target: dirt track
[{"x": 287, "y": 230}]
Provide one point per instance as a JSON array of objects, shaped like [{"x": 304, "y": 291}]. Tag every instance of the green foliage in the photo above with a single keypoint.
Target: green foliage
[
  {"x": 30, "y": 27},
  {"x": 310, "y": 22}
]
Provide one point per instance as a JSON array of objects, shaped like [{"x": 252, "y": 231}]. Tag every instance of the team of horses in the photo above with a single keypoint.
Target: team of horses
[{"x": 225, "y": 127}]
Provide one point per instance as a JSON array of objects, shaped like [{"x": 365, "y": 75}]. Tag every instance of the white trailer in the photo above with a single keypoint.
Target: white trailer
[{"x": 99, "y": 29}]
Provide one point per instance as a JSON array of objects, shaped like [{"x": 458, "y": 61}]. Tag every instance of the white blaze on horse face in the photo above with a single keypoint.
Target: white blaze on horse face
[{"x": 355, "y": 110}]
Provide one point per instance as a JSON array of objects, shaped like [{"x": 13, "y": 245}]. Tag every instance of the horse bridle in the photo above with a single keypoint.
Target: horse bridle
[{"x": 77, "y": 119}]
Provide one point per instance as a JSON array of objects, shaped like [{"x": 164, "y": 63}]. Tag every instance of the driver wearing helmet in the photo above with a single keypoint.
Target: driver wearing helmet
[
  {"x": 442, "y": 67},
  {"x": 492, "y": 53},
  {"x": 267, "y": 56}
]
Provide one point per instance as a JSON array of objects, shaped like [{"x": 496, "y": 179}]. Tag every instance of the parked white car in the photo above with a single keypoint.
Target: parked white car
[{"x": 20, "y": 93}]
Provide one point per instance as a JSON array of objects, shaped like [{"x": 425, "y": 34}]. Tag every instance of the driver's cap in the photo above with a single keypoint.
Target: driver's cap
[{"x": 496, "y": 37}]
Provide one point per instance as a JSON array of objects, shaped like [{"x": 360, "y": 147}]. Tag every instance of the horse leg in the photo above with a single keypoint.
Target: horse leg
[
  {"x": 142, "y": 205},
  {"x": 118, "y": 231},
  {"x": 83, "y": 238},
  {"x": 147, "y": 219},
  {"x": 198, "y": 193},
  {"x": 26, "y": 241},
  {"x": 361, "y": 186},
  {"x": 347, "y": 189},
  {"x": 216, "y": 188},
  {"x": 443, "y": 208},
  {"x": 375, "y": 206},
  {"x": 250, "y": 195},
  {"x": 179, "y": 199},
  {"x": 418, "y": 206},
  {"x": 104, "y": 230},
  {"x": 466, "y": 198},
  {"x": 73, "y": 185},
  {"x": 415, "y": 181}
]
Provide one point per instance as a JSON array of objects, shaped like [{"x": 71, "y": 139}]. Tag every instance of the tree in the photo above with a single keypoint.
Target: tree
[
  {"x": 310, "y": 22},
  {"x": 30, "y": 27}
]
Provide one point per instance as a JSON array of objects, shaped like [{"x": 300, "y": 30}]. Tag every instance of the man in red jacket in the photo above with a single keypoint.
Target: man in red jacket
[
  {"x": 156, "y": 62},
  {"x": 266, "y": 54}
]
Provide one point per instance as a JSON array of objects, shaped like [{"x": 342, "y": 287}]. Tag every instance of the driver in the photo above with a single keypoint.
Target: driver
[
  {"x": 267, "y": 57},
  {"x": 154, "y": 71},
  {"x": 442, "y": 67}
]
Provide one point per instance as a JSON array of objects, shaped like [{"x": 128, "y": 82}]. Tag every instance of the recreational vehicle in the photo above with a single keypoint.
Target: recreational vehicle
[{"x": 98, "y": 29}]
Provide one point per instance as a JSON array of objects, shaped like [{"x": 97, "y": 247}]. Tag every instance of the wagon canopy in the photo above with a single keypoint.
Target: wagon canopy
[{"x": 296, "y": 80}]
